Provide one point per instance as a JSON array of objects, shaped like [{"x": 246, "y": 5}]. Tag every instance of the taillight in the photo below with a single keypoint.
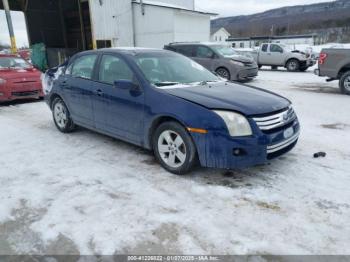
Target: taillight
[{"x": 322, "y": 58}]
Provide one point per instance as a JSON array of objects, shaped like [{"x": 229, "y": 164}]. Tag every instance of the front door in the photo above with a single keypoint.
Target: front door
[
  {"x": 118, "y": 111},
  {"x": 77, "y": 88},
  {"x": 277, "y": 57}
]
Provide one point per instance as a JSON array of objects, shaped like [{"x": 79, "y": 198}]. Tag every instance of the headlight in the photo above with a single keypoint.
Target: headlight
[
  {"x": 237, "y": 124},
  {"x": 2, "y": 81},
  {"x": 237, "y": 63}
]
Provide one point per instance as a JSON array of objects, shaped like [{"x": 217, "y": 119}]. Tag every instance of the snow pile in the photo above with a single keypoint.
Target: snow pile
[
  {"x": 108, "y": 197},
  {"x": 49, "y": 78}
]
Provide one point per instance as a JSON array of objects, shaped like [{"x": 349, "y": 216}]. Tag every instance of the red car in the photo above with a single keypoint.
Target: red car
[{"x": 18, "y": 79}]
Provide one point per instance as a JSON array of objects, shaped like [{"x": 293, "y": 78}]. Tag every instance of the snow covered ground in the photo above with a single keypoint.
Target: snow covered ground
[{"x": 86, "y": 193}]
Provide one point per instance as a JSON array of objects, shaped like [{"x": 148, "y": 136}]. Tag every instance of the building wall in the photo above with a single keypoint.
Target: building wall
[
  {"x": 160, "y": 26},
  {"x": 188, "y": 4},
  {"x": 112, "y": 21},
  {"x": 242, "y": 44},
  {"x": 155, "y": 28},
  {"x": 219, "y": 36},
  {"x": 295, "y": 41},
  {"x": 190, "y": 26}
]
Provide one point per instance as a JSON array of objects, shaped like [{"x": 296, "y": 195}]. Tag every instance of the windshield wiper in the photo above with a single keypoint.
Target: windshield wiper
[{"x": 166, "y": 83}]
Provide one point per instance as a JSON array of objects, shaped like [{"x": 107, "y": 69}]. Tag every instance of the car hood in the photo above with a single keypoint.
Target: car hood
[
  {"x": 230, "y": 96},
  {"x": 241, "y": 58}
]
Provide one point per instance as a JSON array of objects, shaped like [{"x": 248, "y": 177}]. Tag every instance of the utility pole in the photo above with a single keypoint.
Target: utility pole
[{"x": 10, "y": 26}]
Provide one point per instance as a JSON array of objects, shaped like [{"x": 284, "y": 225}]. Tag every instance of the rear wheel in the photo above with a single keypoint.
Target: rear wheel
[
  {"x": 61, "y": 116},
  {"x": 174, "y": 148},
  {"x": 344, "y": 83},
  {"x": 293, "y": 65},
  {"x": 224, "y": 73}
]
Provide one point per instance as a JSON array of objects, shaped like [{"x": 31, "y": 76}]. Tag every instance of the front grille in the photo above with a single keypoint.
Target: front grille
[
  {"x": 26, "y": 93},
  {"x": 276, "y": 120},
  {"x": 284, "y": 144}
]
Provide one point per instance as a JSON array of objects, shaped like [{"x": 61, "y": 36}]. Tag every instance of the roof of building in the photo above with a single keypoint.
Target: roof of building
[
  {"x": 270, "y": 37},
  {"x": 220, "y": 29},
  {"x": 177, "y": 7}
]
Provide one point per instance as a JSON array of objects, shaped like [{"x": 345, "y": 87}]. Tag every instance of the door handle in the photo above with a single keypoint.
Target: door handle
[{"x": 99, "y": 92}]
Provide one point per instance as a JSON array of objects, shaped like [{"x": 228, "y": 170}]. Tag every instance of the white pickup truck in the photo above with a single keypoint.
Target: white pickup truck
[{"x": 275, "y": 55}]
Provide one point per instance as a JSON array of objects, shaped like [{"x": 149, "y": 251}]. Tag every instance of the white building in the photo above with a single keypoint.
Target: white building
[
  {"x": 250, "y": 42},
  {"x": 147, "y": 23},
  {"x": 220, "y": 35}
]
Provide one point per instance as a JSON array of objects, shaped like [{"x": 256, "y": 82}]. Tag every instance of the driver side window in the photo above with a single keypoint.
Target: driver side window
[{"x": 204, "y": 52}]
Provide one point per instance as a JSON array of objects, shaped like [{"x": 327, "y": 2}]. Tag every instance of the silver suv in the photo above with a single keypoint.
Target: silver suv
[{"x": 220, "y": 59}]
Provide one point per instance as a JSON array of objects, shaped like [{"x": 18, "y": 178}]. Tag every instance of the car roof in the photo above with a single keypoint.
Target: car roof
[
  {"x": 125, "y": 50},
  {"x": 196, "y": 43}
]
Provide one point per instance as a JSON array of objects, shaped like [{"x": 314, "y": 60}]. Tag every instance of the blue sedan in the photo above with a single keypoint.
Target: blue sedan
[{"x": 168, "y": 103}]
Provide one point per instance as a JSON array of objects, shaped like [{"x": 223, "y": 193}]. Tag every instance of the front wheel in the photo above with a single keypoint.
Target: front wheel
[
  {"x": 174, "y": 149},
  {"x": 224, "y": 73},
  {"x": 61, "y": 116},
  {"x": 293, "y": 65},
  {"x": 344, "y": 83}
]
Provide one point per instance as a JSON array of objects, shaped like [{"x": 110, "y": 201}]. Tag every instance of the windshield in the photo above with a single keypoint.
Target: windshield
[
  {"x": 14, "y": 62},
  {"x": 286, "y": 47},
  {"x": 167, "y": 69},
  {"x": 224, "y": 50}
]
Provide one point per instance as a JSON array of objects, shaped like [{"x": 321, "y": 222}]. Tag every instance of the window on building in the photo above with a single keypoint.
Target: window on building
[
  {"x": 103, "y": 44},
  {"x": 113, "y": 69},
  {"x": 83, "y": 66},
  {"x": 276, "y": 49},
  {"x": 220, "y": 39},
  {"x": 241, "y": 45},
  {"x": 216, "y": 38},
  {"x": 264, "y": 47},
  {"x": 234, "y": 45}
]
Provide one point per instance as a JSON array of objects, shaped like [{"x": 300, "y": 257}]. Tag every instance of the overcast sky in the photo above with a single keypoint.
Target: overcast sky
[{"x": 222, "y": 7}]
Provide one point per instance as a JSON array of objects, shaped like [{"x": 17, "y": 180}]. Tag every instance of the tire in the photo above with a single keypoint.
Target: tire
[
  {"x": 259, "y": 66},
  {"x": 61, "y": 116},
  {"x": 224, "y": 73},
  {"x": 293, "y": 65},
  {"x": 344, "y": 83},
  {"x": 174, "y": 148}
]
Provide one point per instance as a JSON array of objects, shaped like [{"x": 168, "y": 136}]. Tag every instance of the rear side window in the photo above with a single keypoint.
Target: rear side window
[
  {"x": 83, "y": 67},
  {"x": 204, "y": 52},
  {"x": 113, "y": 68},
  {"x": 264, "y": 48},
  {"x": 185, "y": 50}
]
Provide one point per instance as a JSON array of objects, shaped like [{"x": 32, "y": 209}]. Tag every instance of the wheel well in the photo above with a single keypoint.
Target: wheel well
[
  {"x": 222, "y": 67},
  {"x": 343, "y": 70},
  {"x": 52, "y": 98},
  {"x": 157, "y": 122}
]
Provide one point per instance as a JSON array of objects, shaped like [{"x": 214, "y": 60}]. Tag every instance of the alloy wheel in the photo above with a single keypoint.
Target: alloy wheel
[
  {"x": 60, "y": 114},
  {"x": 347, "y": 83},
  {"x": 172, "y": 149}
]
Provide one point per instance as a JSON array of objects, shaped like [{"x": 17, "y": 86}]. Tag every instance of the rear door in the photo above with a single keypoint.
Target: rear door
[
  {"x": 117, "y": 111},
  {"x": 204, "y": 56},
  {"x": 77, "y": 86}
]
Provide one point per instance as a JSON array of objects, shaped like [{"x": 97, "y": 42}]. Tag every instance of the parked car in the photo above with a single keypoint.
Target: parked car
[
  {"x": 275, "y": 55},
  {"x": 221, "y": 59},
  {"x": 335, "y": 64},
  {"x": 18, "y": 79},
  {"x": 166, "y": 102}
]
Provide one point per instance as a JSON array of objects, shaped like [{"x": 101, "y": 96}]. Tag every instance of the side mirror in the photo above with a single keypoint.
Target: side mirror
[{"x": 126, "y": 85}]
